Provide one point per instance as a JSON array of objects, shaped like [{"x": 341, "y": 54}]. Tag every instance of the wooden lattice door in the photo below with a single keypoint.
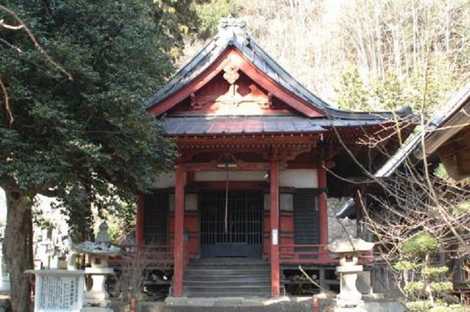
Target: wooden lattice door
[{"x": 233, "y": 232}]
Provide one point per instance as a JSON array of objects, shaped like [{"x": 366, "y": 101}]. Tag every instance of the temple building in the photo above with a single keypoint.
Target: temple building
[{"x": 258, "y": 156}]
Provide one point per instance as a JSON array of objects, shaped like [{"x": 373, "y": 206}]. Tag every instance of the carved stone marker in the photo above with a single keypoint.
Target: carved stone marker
[
  {"x": 58, "y": 290},
  {"x": 4, "y": 277},
  {"x": 349, "y": 298}
]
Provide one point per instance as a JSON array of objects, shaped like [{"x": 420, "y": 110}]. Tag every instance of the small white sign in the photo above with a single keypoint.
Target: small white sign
[{"x": 275, "y": 237}]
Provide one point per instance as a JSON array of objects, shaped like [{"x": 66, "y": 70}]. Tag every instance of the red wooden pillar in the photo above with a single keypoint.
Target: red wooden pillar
[
  {"x": 179, "y": 232},
  {"x": 139, "y": 222},
  {"x": 323, "y": 210},
  {"x": 274, "y": 218}
]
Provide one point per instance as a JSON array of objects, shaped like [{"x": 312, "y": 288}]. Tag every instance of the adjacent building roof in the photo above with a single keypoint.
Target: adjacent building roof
[
  {"x": 458, "y": 105},
  {"x": 439, "y": 121},
  {"x": 233, "y": 34}
]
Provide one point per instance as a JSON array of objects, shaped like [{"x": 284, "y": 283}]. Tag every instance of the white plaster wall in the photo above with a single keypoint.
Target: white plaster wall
[
  {"x": 190, "y": 202},
  {"x": 300, "y": 178}
]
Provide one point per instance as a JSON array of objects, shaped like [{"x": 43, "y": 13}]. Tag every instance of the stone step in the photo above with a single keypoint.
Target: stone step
[
  {"x": 222, "y": 277},
  {"x": 231, "y": 281},
  {"x": 228, "y": 271},
  {"x": 226, "y": 285},
  {"x": 231, "y": 261},
  {"x": 228, "y": 265},
  {"x": 235, "y": 304},
  {"x": 217, "y": 278},
  {"x": 227, "y": 292}
]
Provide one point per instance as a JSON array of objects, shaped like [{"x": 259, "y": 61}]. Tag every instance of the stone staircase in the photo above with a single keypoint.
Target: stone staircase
[{"x": 227, "y": 277}]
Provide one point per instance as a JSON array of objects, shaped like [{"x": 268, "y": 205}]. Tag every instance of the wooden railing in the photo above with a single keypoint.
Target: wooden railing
[
  {"x": 304, "y": 254},
  {"x": 156, "y": 256},
  {"x": 314, "y": 254}
]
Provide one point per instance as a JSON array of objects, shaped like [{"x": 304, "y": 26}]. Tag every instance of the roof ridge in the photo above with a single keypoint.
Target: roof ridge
[{"x": 233, "y": 32}]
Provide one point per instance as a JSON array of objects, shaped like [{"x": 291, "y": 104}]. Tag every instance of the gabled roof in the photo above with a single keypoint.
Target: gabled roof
[
  {"x": 233, "y": 34},
  {"x": 412, "y": 146}
]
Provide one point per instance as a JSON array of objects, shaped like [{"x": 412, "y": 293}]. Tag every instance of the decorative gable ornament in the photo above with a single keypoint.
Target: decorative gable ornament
[
  {"x": 229, "y": 27},
  {"x": 234, "y": 77}
]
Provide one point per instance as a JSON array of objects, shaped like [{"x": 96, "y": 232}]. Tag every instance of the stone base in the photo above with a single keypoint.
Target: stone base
[
  {"x": 360, "y": 308},
  {"x": 96, "y": 309},
  {"x": 348, "y": 302}
]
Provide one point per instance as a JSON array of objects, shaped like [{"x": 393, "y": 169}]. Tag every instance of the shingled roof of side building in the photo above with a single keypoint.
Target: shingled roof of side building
[
  {"x": 459, "y": 104},
  {"x": 442, "y": 124},
  {"x": 233, "y": 33}
]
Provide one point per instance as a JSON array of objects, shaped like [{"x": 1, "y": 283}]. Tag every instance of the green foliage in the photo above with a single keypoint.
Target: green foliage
[
  {"x": 420, "y": 244},
  {"x": 42, "y": 221},
  {"x": 434, "y": 271},
  {"x": 210, "y": 12},
  {"x": 388, "y": 93},
  {"x": 423, "y": 90},
  {"x": 441, "y": 287},
  {"x": 462, "y": 208},
  {"x": 175, "y": 19},
  {"x": 448, "y": 308},
  {"x": 405, "y": 265},
  {"x": 418, "y": 306},
  {"x": 426, "y": 306},
  {"x": 353, "y": 93},
  {"x": 121, "y": 219},
  {"x": 414, "y": 289},
  {"x": 441, "y": 172},
  {"x": 91, "y": 132}
]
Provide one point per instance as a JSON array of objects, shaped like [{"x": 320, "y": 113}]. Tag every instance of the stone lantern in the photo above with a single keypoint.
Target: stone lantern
[
  {"x": 97, "y": 298},
  {"x": 349, "y": 298}
]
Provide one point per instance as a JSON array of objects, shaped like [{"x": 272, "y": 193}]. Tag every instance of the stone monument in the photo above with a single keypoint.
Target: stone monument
[
  {"x": 58, "y": 290},
  {"x": 349, "y": 298},
  {"x": 4, "y": 277},
  {"x": 97, "y": 298}
]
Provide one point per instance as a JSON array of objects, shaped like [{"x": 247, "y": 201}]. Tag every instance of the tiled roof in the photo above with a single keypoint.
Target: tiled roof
[
  {"x": 413, "y": 143},
  {"x": 232, "y": 33},
  {"x": 254, "y": 125}
]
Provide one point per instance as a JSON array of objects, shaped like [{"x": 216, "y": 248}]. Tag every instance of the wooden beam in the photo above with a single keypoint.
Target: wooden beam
[
  {"x": 243, "y": 141},
  {"x": 179, "y": 232},
  {"x": 214, "y": 166},
  {"x": 274, "y": 88},
  {"x": 447, "y": 130},
  {"x": 323, "y": 213},
  {"x": 274, "y": 220}
]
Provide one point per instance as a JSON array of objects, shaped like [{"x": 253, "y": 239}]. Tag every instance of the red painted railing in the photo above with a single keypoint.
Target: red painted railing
[
  {"x": 157, "y": 256},
  {"x": 305, "y": 254},
  {"x": 314, "y": 254}
]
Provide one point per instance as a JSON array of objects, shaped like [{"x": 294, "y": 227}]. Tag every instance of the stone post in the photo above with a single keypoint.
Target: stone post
[{"x": 349, "y": 298}]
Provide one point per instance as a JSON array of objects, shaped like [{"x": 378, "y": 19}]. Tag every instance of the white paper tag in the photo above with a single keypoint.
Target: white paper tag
[{"x": 275, "y": 237}]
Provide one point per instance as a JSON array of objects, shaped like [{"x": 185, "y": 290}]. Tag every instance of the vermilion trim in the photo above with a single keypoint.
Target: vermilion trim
[
  {"x": 237, "y": 59},
  {"x": 274, "y": 220},
  {"x": 179, "y": 232}
]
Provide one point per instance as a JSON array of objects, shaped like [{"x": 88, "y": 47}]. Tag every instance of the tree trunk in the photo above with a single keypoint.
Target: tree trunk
[{"x": 18, "y": 251}]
